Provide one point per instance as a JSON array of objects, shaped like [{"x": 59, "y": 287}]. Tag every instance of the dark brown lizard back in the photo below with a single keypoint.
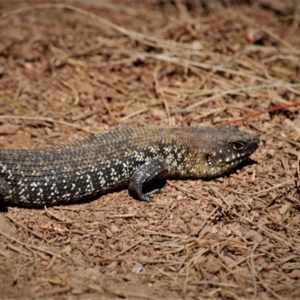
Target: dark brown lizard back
[{"x": 101, "y": 163}]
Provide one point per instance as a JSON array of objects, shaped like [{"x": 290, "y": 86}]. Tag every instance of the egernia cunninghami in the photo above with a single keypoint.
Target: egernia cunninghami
[{"x": 125, "y": 157}]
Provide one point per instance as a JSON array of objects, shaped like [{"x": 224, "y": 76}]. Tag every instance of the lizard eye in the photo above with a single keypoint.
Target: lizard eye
[{"x": 238, "y": 146}]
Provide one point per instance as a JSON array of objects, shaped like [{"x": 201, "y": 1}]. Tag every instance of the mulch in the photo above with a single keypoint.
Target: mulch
[{"x": 70, "y": 69}]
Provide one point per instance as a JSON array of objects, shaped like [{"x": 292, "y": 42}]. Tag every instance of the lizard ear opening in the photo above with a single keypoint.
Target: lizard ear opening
[{"x": 208, "y": 159}]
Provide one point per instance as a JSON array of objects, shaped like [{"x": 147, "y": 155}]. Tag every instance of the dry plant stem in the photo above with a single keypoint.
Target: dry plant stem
[
  {"x": 15, "y": 103},
  {"x": 220, "y": 196},
  {"x": 185, "y": 62},
  {"x": 135, "y": 113},
  {"x": 159, "y": 91},
  {"x": 259, "y": 278},
  {"x": 167, "y": 108},
  {"x": 75, "y": 282},
  {"x": 252, "y": 271},
  {"x": 130, "y": 247},
  {"x": 86, "y": 115},
  {"x": 17, "y": 95},
  {"x": 172, "y": 235},
  {"x": 298, "y": 166},
  {"x": 53, "y": 215},
  {"x": 49, "y": 120},
  {"x": 32, "y": 246},
  {"x": 212, "y": 112},
  {"x": 259, "y": 192},
  {"x": 266, "y": 30},
  {"x": 185, "y": 283},
  {"x": 52, "y": 261},
  {"x": 190, "y": 108},
  {"x": 106, "y": 105},
  {"x": 192, "y": 261},
  {"x": 24, "y": 227},
  {"x": 74, "y": 91},
  {"x": 111, "y": 6},
  {"x": 215, "y": 283},
  {"x": 278, "y": 237},
  {"x": 146, "y": 39},
  {"x": 16, "y": 249},
  {"x": 252, "y": 264},
  {"x": 269, "y": 290},
  {"x": 258, "y": 113},
  {"x": 113, "y": 63},
  {"x": 53, "y": 291},
  {"x": 156, "y": 42},
  {"x": 276, "y": 37},
  {"x": 268, "y": 232},
  {"x": 234, "y": 265},
  {"x": 134, "y": 215},
  {"x": 129, "y": 295},
  {"x": 192, "y": 195},
  {"x": 205, "y": 221}
]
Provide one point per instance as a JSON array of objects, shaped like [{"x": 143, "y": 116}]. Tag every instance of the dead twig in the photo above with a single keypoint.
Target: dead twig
[
  {"x": 74, "y": 91},
  {"x": 190, "y": 108},
  {"x": 143, "y": 38},
  {"x": 261, "y": 191},
  {"x": 129, "y": 247},
  {"x": 32, "y": 246},
  {"x": 24, "y": 227},
  {"x": 49, "y": 120},
  {"x": 115, "y": 121}
]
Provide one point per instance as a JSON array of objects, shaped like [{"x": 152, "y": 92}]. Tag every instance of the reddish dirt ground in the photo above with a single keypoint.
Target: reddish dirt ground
[{"x": 71, "y": 69}]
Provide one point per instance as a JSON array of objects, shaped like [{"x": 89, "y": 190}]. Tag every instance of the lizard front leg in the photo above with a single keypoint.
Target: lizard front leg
[{"x": 156, "y": 168}]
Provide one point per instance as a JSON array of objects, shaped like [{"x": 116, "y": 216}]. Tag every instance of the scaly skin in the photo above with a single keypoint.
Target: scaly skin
[{"x": 125, "y": 157}]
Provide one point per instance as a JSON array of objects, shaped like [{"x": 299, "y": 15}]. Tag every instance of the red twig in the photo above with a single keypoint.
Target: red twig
[{"x": 256, "y": 114}]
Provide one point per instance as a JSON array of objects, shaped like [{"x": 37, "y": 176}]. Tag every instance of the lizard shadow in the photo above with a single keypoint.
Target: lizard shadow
[
  {"x": 85, "y": 200},
  {"x": 157, "y": 184}
]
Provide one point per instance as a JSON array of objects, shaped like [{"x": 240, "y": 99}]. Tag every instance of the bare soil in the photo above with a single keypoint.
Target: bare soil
[{"x": 75, "y": 68}]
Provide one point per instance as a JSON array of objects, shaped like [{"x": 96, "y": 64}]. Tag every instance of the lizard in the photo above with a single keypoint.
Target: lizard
[{"x": 125, "y": 157}]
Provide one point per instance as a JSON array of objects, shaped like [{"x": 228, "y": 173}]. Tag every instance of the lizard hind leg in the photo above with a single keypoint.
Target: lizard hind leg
[{"x": 155, "y": 168}]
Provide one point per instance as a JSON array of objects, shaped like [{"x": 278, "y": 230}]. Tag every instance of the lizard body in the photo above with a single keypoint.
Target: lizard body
[{"x": 125, "y": 157}]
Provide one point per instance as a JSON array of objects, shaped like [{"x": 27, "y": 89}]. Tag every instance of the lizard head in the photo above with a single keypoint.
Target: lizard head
[
  {"x": 215, "y": 151},
  {"x": 227, "y": 147}
]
